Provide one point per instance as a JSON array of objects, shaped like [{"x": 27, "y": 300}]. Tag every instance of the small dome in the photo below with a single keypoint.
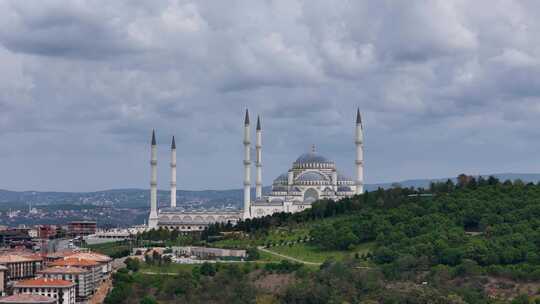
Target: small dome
[
  {"x": 282, "y": 178},
  {"x": 341, "y": 177},
  {"x": 311, "y": 176},
  {"x": 312, "y": 157}
]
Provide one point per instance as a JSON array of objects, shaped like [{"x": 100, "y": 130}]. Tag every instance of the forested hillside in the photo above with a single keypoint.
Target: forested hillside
[{"x": 474, "y": 241}]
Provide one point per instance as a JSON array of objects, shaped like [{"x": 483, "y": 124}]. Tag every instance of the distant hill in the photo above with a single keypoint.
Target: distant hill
[
  {"x": 424, "y": 183},
  {"x": 134, "y": 198},
  {"x": 139, "y": 198}
]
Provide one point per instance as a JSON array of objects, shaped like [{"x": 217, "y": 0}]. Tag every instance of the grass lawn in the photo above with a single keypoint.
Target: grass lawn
[
  {"x": 311, "y": 253},
  {"x": 276, "y": 235},
  {"x": 267, "y": 257}
]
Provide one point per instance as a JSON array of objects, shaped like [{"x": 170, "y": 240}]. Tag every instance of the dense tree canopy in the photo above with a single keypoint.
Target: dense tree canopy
[
  {"x": 495, "y": 225},
  {"x": 436, "y": 245}
]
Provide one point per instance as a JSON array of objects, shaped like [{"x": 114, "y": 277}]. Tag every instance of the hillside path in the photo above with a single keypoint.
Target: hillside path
[{"x": 288, "y": 257}]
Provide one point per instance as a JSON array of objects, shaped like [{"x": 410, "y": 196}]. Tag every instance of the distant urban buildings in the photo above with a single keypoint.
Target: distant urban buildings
[
  {"x": 67, "y": 276},
  {"x": 81, "y": 228}
]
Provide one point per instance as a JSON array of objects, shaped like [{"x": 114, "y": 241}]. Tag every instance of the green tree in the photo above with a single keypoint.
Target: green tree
[
  {"x": 148, "y": 300},
  {"x": 208, "y": 269}
]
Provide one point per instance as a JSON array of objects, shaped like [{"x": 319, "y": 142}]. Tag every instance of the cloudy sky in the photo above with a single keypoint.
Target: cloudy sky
[{"x": 444, "y": 87}]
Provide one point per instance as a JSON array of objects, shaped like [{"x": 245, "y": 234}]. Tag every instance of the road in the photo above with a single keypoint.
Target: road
[
  {"x": 301, "y": 261},
  {"x": 288, "y": 257},
  {"x": 101, "y": 292}
]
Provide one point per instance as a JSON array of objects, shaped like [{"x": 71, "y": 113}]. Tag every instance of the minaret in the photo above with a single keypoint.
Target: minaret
[
  {"x": 173, "y": 173},
  {"x": 247, "y": 164},
  {"x": 258, "y": 165},
  {"x": 359, "y": 141},
  {"x": 153, "y": 219}
]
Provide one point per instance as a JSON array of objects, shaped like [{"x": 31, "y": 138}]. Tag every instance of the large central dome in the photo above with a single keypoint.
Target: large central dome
[{"x": 313, "y": 158}]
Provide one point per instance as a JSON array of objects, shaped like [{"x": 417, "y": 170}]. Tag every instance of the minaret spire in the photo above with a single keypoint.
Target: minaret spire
[
  {"x": 153, "y": 218},
  {"x": 247, "y": 169},
  {"x": 359, "y": 163},
  {"x": 173, "y": 173},
  {"x": 258, "y": 164}
]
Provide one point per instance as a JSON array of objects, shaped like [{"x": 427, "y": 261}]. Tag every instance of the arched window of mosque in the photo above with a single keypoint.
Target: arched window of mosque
[{"x": 311, "y": 195}]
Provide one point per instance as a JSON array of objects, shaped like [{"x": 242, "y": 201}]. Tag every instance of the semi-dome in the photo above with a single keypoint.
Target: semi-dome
[
  {"x": 312, "y": 157},
  {"x": 311, "y": 176}
]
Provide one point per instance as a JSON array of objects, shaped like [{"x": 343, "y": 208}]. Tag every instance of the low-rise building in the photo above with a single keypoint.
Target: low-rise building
[
  {"x": 46, "y": 231},
  {"x": 82, "y": 228},
  {"x": 80, "y": 276},
  {"x": 104, "y": 260},
  {"x": 21, "y": 266},
  {"x": 62, "y": 290},
  {"x": 28, "y": 299},
  {"x": 14, "y": 237},
  {"x": 108, "y": 236},
  {"x": 3, "y": 281},
  {"x": 208, "y": 253},
  {"x": 95, "y": 268}
]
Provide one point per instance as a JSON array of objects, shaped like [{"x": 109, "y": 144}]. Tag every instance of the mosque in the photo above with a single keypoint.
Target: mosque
[{"x": 311, "y": 177}]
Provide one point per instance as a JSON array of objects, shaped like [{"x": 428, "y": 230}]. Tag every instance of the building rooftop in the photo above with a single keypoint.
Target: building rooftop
[
  {"x": 63, "y": 269},
  {"x": 74, "y": 262},
  {"x": 16, "y": 258},
  {"x": 27, "y": 299},
  {"x": 43, "y": 282},
  {"x": 60, "y": 254},
  {"x": 90, "y": 256}
]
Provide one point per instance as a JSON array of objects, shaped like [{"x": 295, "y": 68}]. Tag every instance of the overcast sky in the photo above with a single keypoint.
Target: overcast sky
[{"x": 444, "y": 87}]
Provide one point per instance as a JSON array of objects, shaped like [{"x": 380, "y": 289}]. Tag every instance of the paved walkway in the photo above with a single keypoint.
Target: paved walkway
[
  {"x": 158, "y": 273},
  {"x": 288, "y": 257},
  {"x": 301, "y": 261}
]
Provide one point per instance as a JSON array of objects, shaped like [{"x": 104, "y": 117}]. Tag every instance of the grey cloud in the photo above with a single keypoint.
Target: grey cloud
[
  {"x": 69, "y": 30},
  {"x": 441, "y": 84}
]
